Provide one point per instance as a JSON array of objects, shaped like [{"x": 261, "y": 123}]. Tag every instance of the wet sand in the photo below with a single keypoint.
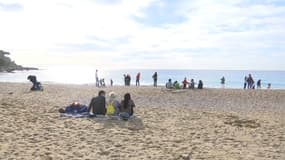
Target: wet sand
[{"x": 221, "y": 124}]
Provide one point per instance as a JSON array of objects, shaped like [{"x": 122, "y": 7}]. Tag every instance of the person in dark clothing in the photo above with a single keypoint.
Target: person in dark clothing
[
  {"x": 138, "y": 79},
  {"x": 192, "y": 84},
  {"x": 127, "y": 107},
  {"x": 245, "y": 82},
  {"x": 127, "y": 79},
  {"x": 154, "y": 77},
  {"x": 36, "y": 85},
  {"x": 200, "y": 84},
  {"x": 111, "y": 82},
  {"x": 258, "y": 84},
  {"x": 250, "y": 82},
  {"x": 98, "y": 104},
  {"x": 223, "y": 80},
  {"x": 97, "y": 78}
]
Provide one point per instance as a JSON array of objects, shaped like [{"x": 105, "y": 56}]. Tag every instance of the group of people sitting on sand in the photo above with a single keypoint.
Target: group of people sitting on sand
[
  {"x": 99, "y": 106},
  {"x": 185, "y": 84}
]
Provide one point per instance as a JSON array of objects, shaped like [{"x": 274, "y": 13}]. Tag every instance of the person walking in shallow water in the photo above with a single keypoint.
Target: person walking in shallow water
[{"x": 154, "y": 77}]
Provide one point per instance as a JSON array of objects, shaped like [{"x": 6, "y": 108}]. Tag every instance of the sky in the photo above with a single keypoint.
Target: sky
[{"x": 147, "y": 34}]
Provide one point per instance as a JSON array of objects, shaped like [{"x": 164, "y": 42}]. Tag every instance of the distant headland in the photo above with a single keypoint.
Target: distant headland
[{"x": 7, "y": 65}]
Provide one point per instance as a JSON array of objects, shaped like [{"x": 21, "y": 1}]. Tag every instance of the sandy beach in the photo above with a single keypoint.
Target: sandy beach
[{"x": 216, "y": 124}]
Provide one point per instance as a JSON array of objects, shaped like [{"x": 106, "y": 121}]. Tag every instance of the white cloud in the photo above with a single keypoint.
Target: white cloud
[{"x": 213, "y": 33}]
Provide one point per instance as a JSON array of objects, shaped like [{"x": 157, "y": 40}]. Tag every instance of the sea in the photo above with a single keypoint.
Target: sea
[{"x": 86, "y": 75}]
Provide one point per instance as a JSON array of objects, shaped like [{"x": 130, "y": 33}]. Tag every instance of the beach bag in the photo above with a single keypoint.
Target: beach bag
[{"x": 110, "y": 109}]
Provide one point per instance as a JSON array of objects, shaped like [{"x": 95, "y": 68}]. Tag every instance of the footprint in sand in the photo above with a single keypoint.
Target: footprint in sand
[{"x": 237, "y": 122}]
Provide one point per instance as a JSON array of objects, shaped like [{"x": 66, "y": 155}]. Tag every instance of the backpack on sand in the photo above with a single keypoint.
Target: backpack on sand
[{"x": 110, "y": 109}]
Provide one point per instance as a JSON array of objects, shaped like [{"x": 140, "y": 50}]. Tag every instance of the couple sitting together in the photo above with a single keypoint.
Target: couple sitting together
[{"x": 98, "y": 106}]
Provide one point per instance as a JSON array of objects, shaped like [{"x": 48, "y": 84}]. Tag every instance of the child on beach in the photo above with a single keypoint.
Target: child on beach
[
  {"x": 36, "y": 85},
  {"x": 258, "y": 84},
  {"x": 154, "y": 77},
  {"x": 113, "y": 105},
  {"x": 200, "y": 84},
  {"x": 176, "y": 85},
  {"x": 169, "y": 84},
  {"x": 245, "y": 82},
  {"x": 192, "y": 84}
]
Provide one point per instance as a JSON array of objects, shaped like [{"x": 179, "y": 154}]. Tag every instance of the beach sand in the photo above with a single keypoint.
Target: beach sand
[{"x": 216, "y": 124}]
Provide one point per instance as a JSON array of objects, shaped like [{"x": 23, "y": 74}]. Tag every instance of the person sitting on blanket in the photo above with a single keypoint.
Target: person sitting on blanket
[
  {"x": 113, "y": 105},
  {"x": 126, "y": 109},
  {"x": 74, "y": 108},
  {"x": 97, "y": 105}
]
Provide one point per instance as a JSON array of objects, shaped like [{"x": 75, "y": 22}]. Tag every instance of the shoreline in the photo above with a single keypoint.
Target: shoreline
[{"x": 143, "y": 86}]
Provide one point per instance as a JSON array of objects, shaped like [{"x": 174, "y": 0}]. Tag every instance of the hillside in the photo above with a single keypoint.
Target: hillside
[{"x": 7, "y": 65}]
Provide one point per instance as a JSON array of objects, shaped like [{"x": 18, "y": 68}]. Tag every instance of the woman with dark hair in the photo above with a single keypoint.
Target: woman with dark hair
[{"x": 126, "y": 108}]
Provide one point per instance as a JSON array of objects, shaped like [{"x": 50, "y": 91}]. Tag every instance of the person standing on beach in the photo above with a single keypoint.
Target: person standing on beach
[
  {"x": 185, "y": 83},
  {"x": 250, "y": 82},
  {"x": 97, "y": 78},
  {"x": 223, "y": 80},
  {"x": 154, "y": 77},
  {"x": 245, "y": 82},
  {"x": 200, "y": 84},
  {"x": 125, "y": 79},
  {"x": 138, "y": 79},
  {"x": 269, "y": 86},
  {"x": 128, "y": 79},
  {"x": 111, "y": 82},
  {"x": 192, "y": 84},
  {"x": 258, "y": 84}
]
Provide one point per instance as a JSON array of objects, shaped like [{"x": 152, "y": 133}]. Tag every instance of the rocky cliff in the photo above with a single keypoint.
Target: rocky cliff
[{"x": 7, "y": 65}]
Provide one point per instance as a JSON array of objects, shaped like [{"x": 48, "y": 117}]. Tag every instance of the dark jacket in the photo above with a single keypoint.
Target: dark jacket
[{"x": 98, "y": 105}]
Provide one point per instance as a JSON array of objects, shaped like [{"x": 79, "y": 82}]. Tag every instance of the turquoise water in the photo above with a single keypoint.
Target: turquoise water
[{"x": 86, "y": 75}]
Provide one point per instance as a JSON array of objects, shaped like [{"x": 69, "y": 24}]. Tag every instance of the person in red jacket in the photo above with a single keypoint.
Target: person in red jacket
[
  {"x": 185, "y": 83},
  {"x": 138, "y": 77}
]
